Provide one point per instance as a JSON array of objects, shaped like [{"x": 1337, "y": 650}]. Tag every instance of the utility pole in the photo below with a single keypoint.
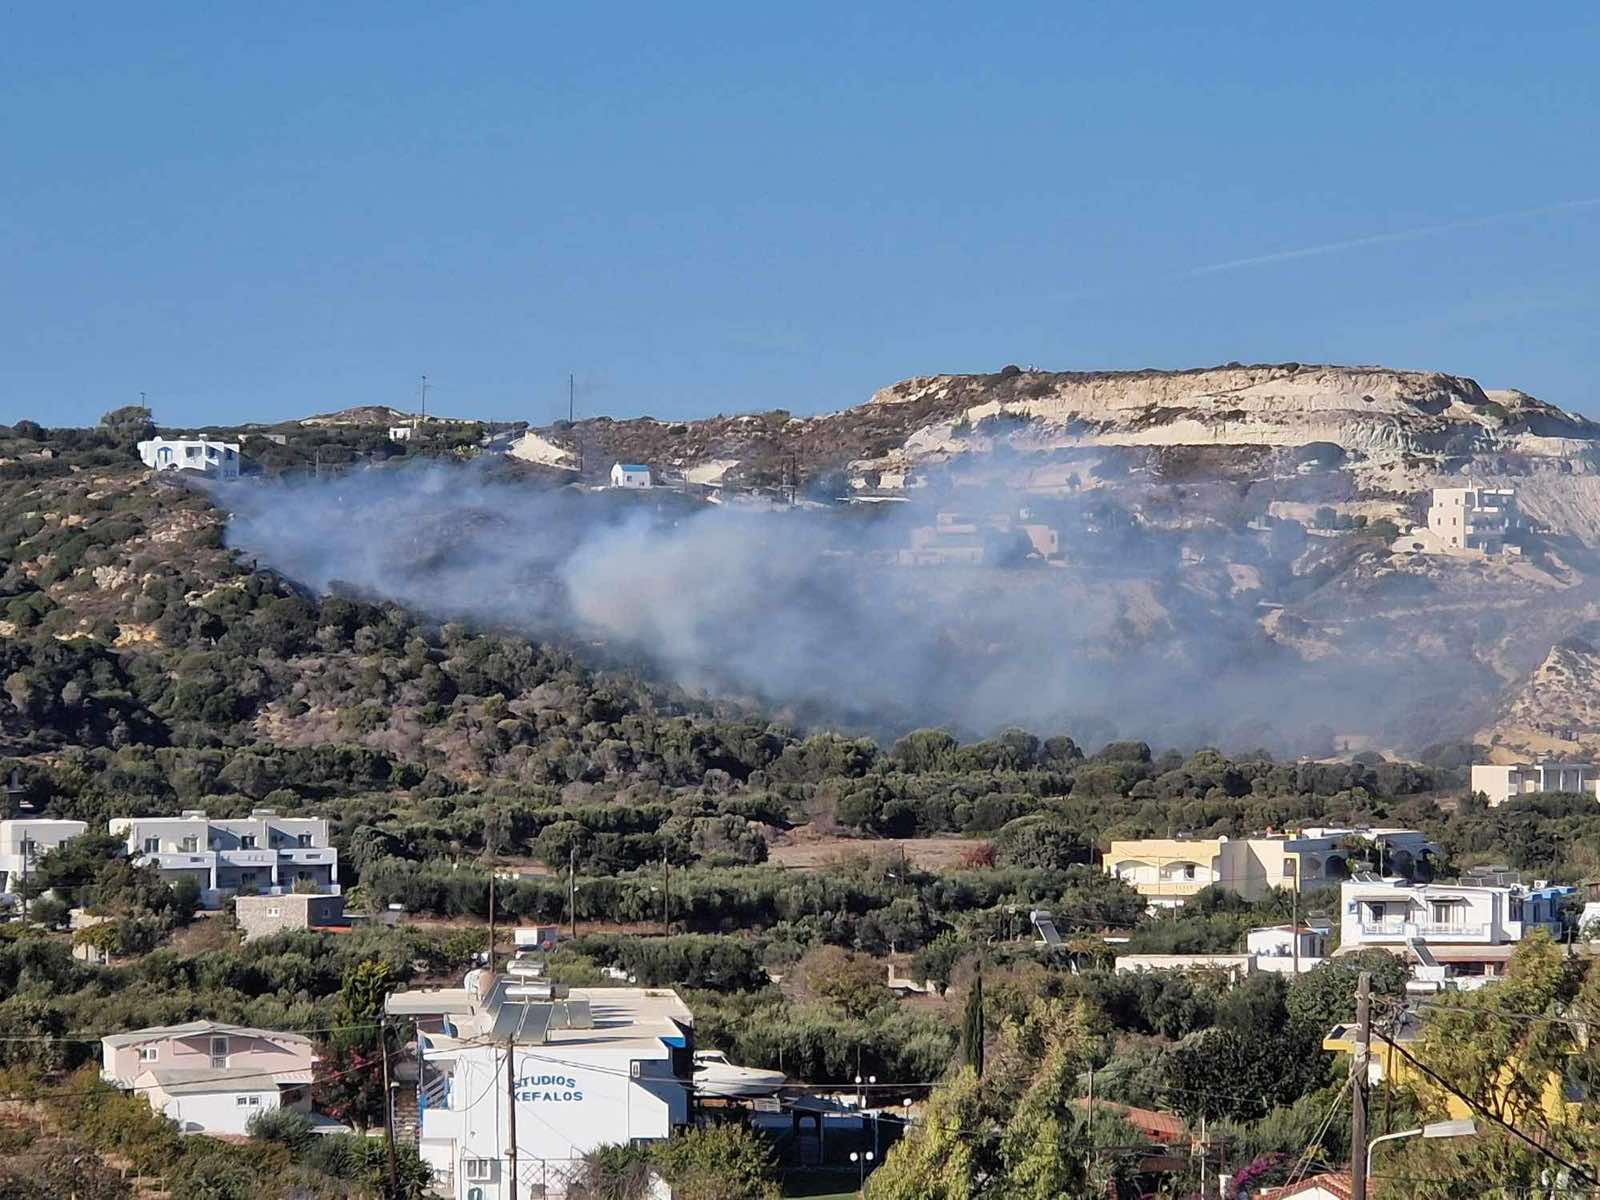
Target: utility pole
[
  {"x": 388, "y": 1111},
  {"x": 1358, "y": 1091},
  {"x": 666, "y": 918},
  {"x": 511, "y": 1116},
  {"x": 1089, "y": 1135},
  {"x": 1294, "y": 920},
  {"x": 490, "y": 840},
  {"x": 424, "y": 398},
  {"x": 572, "y": 404},
  {"x": 572, "y": 889}
]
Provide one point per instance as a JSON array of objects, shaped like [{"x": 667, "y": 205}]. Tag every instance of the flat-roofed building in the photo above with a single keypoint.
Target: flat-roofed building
[
  {"x": 1501, "y": 782},
  {"x": 588, "y": 1067},
  {"x": 263, "y": 854}
]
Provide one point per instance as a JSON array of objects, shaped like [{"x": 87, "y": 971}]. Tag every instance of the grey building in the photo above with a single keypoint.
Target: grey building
[
  {"x": 263, "y": 916},
  {"x": 262, "y": 854}
]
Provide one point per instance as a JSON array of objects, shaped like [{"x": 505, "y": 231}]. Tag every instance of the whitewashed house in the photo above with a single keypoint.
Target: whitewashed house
[
  {"x": 262, "y": 854},
  {"x": 210, "y": 1077},
  {"x": 1393, "y": 912},
  {"x": 588, "y": 1067},
  {"x": 219, "y": 460},
  {"x": 22, "y": 842},
  {"x": 630, "y": 475},
  {"x": 1274, "y": 947},
  {"x": 1500, "y": 783}
]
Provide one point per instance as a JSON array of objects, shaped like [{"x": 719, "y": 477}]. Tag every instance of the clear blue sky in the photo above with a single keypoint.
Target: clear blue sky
[{"x": 257, "y": 211}]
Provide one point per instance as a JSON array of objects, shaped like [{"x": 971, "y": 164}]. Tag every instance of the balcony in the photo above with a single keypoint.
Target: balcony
[
  {"x": 178, "y": 860},
  {"x": 308, "y": 856},
  {"x": 248, "y": 858},
  {"x": 1433, "y": 931}
]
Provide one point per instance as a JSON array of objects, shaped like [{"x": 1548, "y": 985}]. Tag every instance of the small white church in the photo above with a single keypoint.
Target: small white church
[{"x": 630, "y": 475}]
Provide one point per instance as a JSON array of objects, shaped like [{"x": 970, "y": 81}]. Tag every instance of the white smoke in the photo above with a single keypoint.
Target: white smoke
[{"x": 805, "y": 612}]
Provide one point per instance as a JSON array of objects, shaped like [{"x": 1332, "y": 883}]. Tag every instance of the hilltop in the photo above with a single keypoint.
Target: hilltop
[{"x": 1390, "y": 430}]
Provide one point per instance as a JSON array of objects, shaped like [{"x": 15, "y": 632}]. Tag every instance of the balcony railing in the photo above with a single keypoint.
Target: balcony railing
[
  {"x": 1445, "y": 930},
  {"x": 1448, "y": 930}
]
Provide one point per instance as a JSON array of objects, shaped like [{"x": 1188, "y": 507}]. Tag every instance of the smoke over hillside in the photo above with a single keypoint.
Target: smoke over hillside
[{"x": 804, "y": 611}]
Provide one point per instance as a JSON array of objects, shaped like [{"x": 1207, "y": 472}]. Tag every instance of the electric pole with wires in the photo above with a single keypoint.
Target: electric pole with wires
[{"x": 1358, "y": 1088}]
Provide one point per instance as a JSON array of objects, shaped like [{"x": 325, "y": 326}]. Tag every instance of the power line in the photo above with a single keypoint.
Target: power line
[{"x": 1485, "y": 1111}]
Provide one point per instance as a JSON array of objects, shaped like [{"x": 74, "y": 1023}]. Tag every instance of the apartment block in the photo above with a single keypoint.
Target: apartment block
[
  {"x": 1500, "y": 783},
  {"x": 24, "y": 840},
  {"x": 262, "y": 854}
]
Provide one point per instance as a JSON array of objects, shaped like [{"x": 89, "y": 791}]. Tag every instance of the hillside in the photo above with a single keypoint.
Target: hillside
[{"x": 1390, "y": 429}]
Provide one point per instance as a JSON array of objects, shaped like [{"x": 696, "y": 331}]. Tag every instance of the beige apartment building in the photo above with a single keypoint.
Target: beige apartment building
[{"x": 1167, "y": 871}]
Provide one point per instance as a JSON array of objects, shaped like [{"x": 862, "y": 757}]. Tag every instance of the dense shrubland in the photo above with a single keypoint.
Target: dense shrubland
[{"x": 145, "y": 669}]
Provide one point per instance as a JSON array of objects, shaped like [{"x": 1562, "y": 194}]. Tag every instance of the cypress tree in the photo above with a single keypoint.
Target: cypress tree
[{"x": 972, "y": 1026}]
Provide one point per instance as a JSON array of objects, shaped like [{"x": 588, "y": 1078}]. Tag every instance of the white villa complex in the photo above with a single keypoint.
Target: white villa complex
[
  {"x": 588, "y": 1067},
  {"x": 263, "y": 853},
  {"x": 23, "y": 840},
  {"x": 1500, "y": 783},
  {"x": 219, "y": 460}
]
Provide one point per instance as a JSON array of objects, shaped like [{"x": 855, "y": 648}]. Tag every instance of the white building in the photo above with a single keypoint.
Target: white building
[
  {"x": 24, "y": 840},
  {"x": 1273, "y": 947},
  {"x": 263, "y": 853},
  {"x": 220, "y": 460},
  {"x": 1466, "y": 520},
  {"x": 1395, "y": 913},
  {"x": 588, "y": 1067},
  {"x": 630, "y": 475},
  {"x": 210, "y": 1077},
  {"x": 401, "y": 433},
  {"x": 1500, "y": 783}
]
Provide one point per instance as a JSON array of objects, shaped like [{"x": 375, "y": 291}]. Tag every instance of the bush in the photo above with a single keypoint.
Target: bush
[
  {"x": 285, "y": 1126},
  {"x": 718, "y": 1162}
]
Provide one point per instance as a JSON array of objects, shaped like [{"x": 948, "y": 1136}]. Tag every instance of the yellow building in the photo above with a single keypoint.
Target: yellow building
[
  {"x": 1167, "y": 871},
  {"x": 1386, "y": 1062}
]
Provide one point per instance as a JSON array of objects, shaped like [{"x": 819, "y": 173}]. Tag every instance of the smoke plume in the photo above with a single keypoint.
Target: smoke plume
[{"x": 809, "y": 613}]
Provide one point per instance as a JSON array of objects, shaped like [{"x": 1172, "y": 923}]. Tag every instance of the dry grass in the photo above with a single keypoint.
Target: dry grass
[{"x": 802, "y": 848}]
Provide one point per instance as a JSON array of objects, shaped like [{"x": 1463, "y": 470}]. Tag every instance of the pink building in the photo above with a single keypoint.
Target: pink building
[{"x": 210, "y": 1077}]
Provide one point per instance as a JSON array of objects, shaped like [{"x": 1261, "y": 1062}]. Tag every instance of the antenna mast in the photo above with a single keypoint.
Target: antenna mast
[
  {"x": 424, "y": 398},
  {"x": 571, "y": 392}
]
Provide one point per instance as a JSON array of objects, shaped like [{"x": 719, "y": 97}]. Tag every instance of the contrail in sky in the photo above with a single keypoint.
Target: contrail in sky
[{"x": 1378, "y": 239}]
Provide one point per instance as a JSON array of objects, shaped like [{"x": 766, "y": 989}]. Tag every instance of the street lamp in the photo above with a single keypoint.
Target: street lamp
[
  {"x": 1465, "y": 1127},
  {"x": 861, "y": 1169}
]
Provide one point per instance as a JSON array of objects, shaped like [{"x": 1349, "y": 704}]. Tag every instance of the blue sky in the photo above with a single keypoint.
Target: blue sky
[{"x": 263, "y": 211}]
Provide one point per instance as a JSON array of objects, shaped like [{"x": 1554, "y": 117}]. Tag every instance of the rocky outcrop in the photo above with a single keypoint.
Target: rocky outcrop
[{"x": 1375, "y": 415}]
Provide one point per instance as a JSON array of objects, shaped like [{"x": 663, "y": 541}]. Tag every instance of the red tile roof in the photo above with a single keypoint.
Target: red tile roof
[
  {"x": 1334, "y": 1183},
  {"x": 1163, "y": 1127}
]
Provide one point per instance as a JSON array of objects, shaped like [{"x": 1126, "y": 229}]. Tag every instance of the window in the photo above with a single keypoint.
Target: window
[
  {"x": 191, "y": 451},
  {"x": 148, "y": 1053},
  {"x": 274, "y": 911},
  {"x": 247, "y": 841},
  {"x": 219, "y": 1053},
  {"x": 191, "y": 844},
  {"x": 1516, "y": 910},
  {"x": 247, "y": 879},
  {"x": 152, "y": 845},
  {"x": 305, "y": 840},
  {"x": 30, "y": 849},
  {"x": 1188, "y": 870},
  {"x": 479, "y": 1170},
  {"x": 241, "y": 1101},
  {"x": 1445, "y": 913}
]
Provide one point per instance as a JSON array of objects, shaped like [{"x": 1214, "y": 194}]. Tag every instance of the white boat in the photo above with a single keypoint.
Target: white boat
[{"x": 715, "y": 1076}]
